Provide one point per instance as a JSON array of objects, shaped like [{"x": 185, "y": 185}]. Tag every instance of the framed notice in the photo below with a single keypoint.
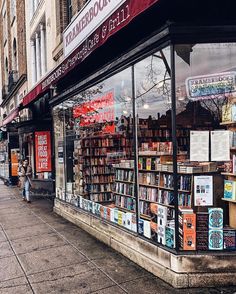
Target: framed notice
[
  {"x": 203, "y": 190},
  {"x": 43, "y": 151},
  {"x": 220, "y": 145},
  {"x": 199, "y": 145}
]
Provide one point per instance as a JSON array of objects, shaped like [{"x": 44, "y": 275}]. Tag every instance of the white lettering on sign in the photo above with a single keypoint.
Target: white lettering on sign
[{"x": 87, "y": 21}]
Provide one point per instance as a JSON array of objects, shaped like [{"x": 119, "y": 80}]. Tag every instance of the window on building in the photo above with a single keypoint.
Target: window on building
[
  {"x": 61, "y": 16},
  {"x": 4, "y": 26},
  {"x": 6, "y": 71},
  {"x": 13, "y": 10},
  {"x": 14, "y": 55},
  {"x": 70, "y": 11}
]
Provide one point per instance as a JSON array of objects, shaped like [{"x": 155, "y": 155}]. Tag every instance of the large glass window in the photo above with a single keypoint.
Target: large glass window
[
  {"x": 114, "y": 148},
  {"x": 205, "y": 100},
  {"x": 155, "y": 151},
  {"x": 98, "y": 156}
]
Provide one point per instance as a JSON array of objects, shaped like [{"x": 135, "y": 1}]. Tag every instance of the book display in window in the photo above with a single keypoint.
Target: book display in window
[
  {"x": 97, "y": 154},
  {"x": 229, "y": 122}
]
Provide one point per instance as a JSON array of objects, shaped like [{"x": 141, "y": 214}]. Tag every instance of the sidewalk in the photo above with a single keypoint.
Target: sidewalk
[{"x": 42, "y": 253}]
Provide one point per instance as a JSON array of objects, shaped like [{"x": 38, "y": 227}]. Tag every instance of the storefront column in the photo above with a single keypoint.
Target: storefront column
[
  {"x": 32, "y": 8},
  {"x": 43, "y": 49},
  {"x": 33, "y": 63},
  {"x": 38, "y": 62}
]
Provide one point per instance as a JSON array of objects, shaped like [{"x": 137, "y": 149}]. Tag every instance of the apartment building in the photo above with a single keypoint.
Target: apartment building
[
  {"x": 13, "y": 75},
  {"x": 45, "y": 21}
]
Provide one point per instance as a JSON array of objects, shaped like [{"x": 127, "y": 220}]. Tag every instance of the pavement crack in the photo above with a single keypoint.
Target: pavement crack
[{"x": 60, "y": 278}]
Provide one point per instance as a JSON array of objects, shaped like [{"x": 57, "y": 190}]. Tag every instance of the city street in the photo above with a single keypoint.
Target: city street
[{"x": 43, "y": 253}]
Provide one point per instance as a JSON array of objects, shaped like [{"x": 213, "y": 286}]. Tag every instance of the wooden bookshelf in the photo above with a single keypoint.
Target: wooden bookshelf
[
  {"x": 125, "y": 195},
  {"x": 225, "y": 123},
  {"x": 229, "y": 200}
]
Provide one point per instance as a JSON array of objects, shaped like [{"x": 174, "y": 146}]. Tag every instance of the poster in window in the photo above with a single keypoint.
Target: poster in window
[
  {"x": 43, "y": 151},
  {"x": 14, "y": 162},
  {"x": 199, "y": 146},
  {"x": 203, "y": 190},
  {"x": 220, "y": 145}
]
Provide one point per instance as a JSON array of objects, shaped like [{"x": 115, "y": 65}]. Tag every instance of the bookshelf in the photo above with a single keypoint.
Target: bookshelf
[
  {"x": 228, "y": 121},
  {"x": 95, "y": 156}
]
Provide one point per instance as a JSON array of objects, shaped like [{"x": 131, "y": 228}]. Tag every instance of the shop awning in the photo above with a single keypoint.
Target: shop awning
[
  {"x": 121, "y": 17},
  {"x": 13, "y": 114}
]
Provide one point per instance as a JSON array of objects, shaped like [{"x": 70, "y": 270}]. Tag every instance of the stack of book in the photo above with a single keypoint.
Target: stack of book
[
  {"x": 187, "y": 229},
  {"x": 202, "y": 230},
  {"x": 215, "y": 240}
]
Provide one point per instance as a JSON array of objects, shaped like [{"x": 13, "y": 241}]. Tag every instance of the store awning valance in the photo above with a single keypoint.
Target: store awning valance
[
  {"x": 128, "y": 10},
  {"x": 12, "y": 115}
]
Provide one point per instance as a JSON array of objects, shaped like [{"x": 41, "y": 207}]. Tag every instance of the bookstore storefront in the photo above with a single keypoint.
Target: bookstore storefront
[{"x": 145, "y": 161}]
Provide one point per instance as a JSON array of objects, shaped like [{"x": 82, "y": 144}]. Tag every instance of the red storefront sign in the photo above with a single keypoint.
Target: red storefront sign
[
  {"x": 115, "y": 22},
  {"x": 99, "y": 110},
  {"x": 43, "y": 151}
]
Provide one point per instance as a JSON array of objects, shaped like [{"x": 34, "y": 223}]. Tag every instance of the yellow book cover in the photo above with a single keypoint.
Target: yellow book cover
[
  {"x": 226, "y": 112},
  {"x": 120, "y": 217}
]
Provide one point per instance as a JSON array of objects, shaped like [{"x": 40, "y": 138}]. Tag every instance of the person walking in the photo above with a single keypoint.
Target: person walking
[{"x": 25, "y": 174}]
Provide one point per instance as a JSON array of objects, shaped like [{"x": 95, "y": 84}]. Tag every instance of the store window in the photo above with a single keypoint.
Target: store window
[
  {"x": 155, "y": 151},
  {"x": 108, "y": 171},
  {"x": 98, "y": 150},
  {"x": 206, "y": 108}
]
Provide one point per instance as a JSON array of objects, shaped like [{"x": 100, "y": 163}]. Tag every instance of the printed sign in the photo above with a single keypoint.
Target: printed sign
[
  {"x": 203, "y": 190},
  {"x": 99, "y": 110},
  {"x": 43, "y": 151},
  {"x": 14, "y": 162},
  {"x": 88, "y": 19},
  {"x": 122, "y": 16},
  {"x": 211, "y": 86}
]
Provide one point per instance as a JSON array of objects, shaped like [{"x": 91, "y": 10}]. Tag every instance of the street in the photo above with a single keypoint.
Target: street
[{"x": 42, "y": 253}]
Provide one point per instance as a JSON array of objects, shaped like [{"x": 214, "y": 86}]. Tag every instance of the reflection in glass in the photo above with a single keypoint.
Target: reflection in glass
[{"x": 155, "y": 162}]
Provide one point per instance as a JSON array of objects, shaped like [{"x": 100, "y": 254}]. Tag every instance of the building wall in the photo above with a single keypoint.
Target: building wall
[{"x": 13, "y": 49}]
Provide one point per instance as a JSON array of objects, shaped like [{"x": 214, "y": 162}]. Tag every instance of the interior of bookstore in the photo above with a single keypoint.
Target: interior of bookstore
[{"x": 152, "y": 149}]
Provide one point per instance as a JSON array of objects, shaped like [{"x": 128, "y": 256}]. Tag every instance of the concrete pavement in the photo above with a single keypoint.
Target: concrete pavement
[{"x": 42, "y": 253}]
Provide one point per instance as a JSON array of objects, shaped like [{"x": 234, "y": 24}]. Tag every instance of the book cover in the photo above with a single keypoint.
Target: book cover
[
  {"x": 189, "y": 240},
  {"x": 134, "y": 223},
  {"x": 128, "y": 223},
  {"x": 170, "y": 237},
  {"x": 97, "y": 209},
  {"x": 215, "y": 240},
  {"x": 161, "y": 215},
  {"x": 147, "y": 229},
  {"x": 161, "y": 234},
  {"x": 226, "y": 113},
  {"x": 141, "y": 226},
  {"x": 105, "y": 212},
  {"x": 189, "y": 223},
  {"x": 112, "y": 212},
  {"x": 108, "y": 215},
  {"x": 124, "y": 219},
  {"x": 233, "y": 112},
  {"x": 102, "y": 211},
  {"x": 215, "y": 218},
  {"x": 94, "y": 207},
  {"x": 202, "y": 221},
  {"x": 229, "y": 236},
  {"x": 140, "y": 163},
  {"x": 229, "y": 189},
  {"x": 116, "y": 215},
  {"x": 234, "y": 162},
  {"x": 202, "y": 240},
  {"x": 149, "y": 163},
  {"x": 120, "y": 218}
]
